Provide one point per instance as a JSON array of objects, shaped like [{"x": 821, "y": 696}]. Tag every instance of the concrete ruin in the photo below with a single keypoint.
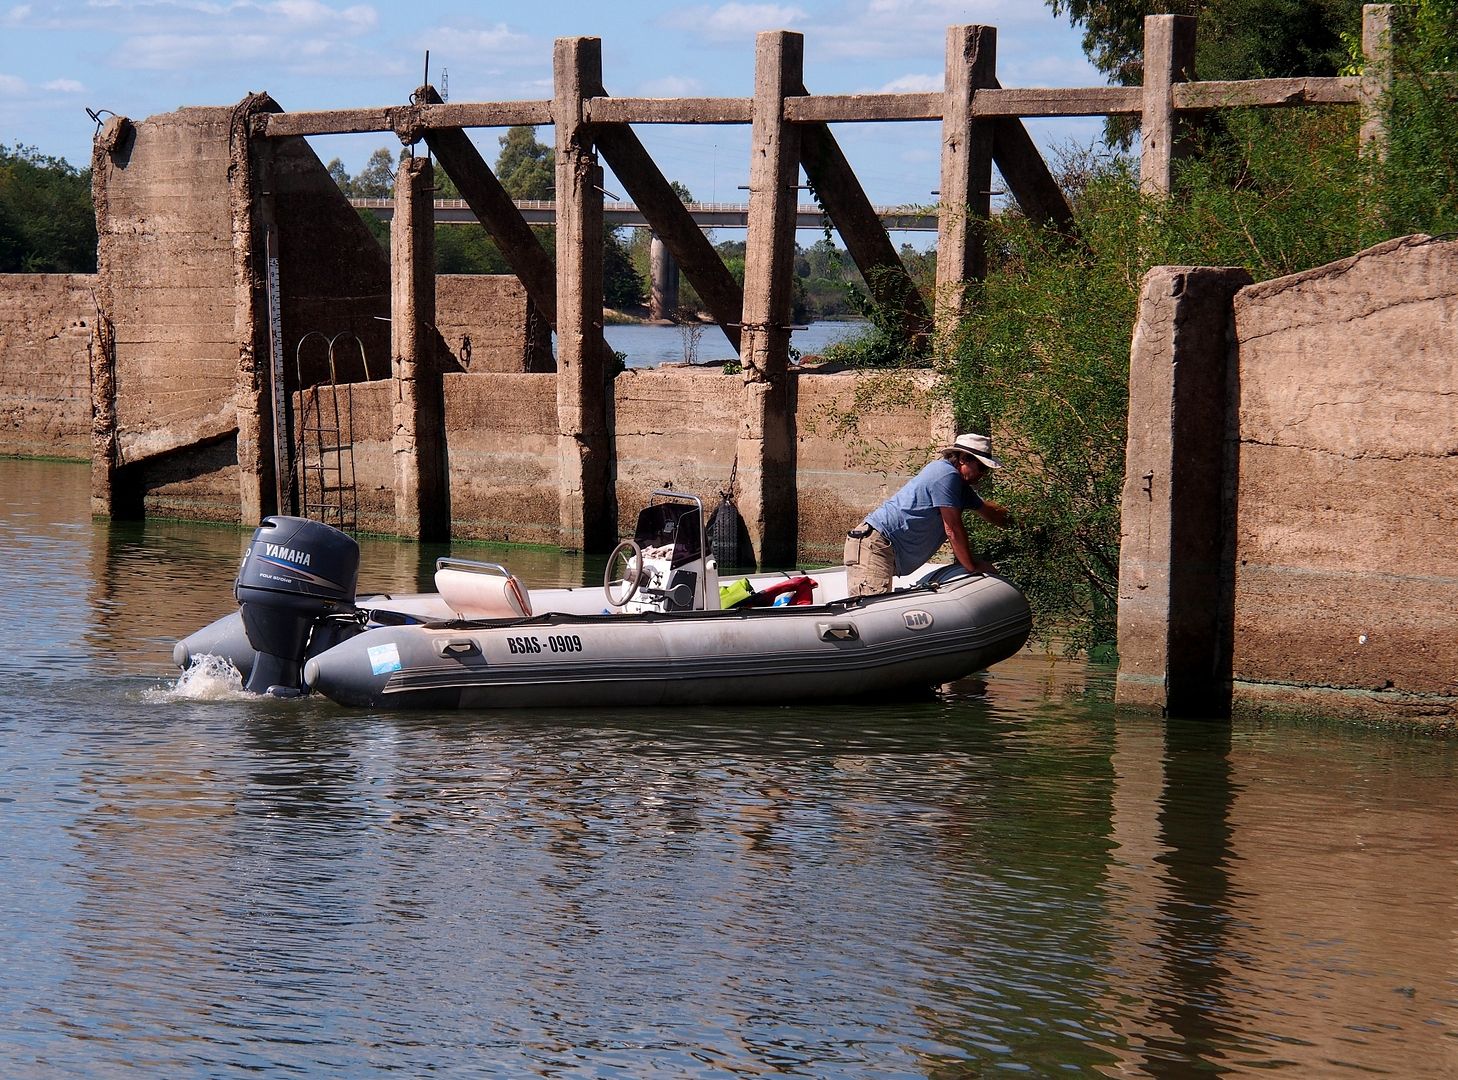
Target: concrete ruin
[
  {"x": 1289, "y": 532},
  {"x": 47, "y": 324}
]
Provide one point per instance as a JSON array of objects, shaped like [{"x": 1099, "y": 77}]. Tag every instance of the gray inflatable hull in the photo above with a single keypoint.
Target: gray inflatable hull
[{"x": 911, "y": 639}]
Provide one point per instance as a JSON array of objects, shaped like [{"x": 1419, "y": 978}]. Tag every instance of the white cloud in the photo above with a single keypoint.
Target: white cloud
[
  {"x": 915, "y": 84},
  {"x": 671, "y": 86},
  {"x": 479, "y": 55},
  {"x": 166, "y": 52},
  {"x": 735, "y": 21},
  {"x": 357, "y": 19},
  {"x": 17, "y": 15},
  {"x": 12, "y": 86},
  {"x": 900, "y": 28},
  {"x": 64, "y": 86}
]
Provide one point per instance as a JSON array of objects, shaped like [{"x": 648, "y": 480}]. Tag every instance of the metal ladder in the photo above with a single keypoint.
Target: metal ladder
[{"x": 324, "y": 450}]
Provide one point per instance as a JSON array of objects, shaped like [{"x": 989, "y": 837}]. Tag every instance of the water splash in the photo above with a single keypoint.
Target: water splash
[{"x": 210, "y": 678}]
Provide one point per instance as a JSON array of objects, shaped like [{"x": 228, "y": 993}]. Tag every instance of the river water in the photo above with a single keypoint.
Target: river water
[
  {"x": 1012, "y": 879},
  {"x": 646, "y": 345}
]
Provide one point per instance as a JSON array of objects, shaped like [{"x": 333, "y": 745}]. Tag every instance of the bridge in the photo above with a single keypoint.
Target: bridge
[{"x": 705, "y": 215}]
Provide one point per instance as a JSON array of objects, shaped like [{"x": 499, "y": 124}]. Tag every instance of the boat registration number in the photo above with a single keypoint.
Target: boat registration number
[{"x": 557, "y": 643}]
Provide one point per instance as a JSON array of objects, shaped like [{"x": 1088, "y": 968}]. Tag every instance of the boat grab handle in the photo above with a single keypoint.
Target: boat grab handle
[
  {"x": 830, "y": 631},
  {"x": 448, "y": 647}
]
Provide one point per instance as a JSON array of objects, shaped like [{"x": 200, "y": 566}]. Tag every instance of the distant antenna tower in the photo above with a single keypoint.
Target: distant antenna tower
[{"x": 445, "y": 84}]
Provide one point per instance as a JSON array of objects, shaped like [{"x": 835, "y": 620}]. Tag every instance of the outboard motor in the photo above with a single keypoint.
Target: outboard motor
[{"x": 296, "y": 573}]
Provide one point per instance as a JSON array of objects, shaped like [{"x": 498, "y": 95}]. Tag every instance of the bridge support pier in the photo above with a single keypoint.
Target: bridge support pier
[{"x": 663, "y": 303}]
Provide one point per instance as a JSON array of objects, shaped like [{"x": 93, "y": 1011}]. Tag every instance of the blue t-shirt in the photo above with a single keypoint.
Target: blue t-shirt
[{"x": 912, "y": 518}]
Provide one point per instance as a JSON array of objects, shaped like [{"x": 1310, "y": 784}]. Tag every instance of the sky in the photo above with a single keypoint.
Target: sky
[{"x": 142, "y": 57}]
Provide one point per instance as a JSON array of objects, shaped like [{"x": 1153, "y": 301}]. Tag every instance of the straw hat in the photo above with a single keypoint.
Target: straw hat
[{"x": 979, "y": 446}]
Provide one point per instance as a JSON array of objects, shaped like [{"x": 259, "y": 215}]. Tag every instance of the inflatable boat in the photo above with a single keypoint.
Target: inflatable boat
[{"x": 663, "y": 629}]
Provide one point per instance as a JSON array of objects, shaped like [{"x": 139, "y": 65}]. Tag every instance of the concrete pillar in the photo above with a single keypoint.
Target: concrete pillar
[
  {"x": 765, "y": 450},
  {"x": 966, "y": 181},
  {"x": 584, "y": 450},
  {"x": 663, "y": 304},
  {"x": 102, "y": 351},
  {"x": 422, "y": 498},
  {"x": 1169, "y": 57},
  {"x": 250, "y": 166},
  {"x": 1174, "y": 577},
  {"x": 1376, "y": 84}
]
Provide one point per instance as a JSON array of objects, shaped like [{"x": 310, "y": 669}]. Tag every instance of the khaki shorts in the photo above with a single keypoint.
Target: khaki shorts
[{"x": 870, "y": 563}]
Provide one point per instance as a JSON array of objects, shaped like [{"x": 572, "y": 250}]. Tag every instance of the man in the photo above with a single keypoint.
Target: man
[{"x": 908, "y": 528}]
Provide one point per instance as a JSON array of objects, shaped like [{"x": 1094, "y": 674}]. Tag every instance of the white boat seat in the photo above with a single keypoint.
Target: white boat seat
[{"x": 474, "y": 595}]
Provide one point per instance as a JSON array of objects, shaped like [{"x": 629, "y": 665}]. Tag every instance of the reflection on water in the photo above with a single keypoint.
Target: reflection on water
[{"x": 1007, "y": 878}]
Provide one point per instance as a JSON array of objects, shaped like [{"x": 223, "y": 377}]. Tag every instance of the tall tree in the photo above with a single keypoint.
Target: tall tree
[
  {"x": 47, "y": 224},
  {"x": 1237, "y": 39},
  {"x": 525, "y": 167},
  {"x": 339, "y": 174},
  {"x": 377, "y": 179}
]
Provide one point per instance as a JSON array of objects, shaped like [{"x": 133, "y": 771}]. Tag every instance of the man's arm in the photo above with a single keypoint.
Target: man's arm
[
  {"x": 961, "y": 547},
  {"x": 993, "y": 513}
]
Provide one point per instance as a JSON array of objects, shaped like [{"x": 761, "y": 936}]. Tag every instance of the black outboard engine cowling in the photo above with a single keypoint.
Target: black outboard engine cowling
[{"x": 296, "y": 572}]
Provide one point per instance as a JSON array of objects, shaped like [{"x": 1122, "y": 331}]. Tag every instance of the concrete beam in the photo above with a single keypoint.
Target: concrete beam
[
  {"x": 495, "y": 210},
  {"x": 584, "y": 443},
  {"x": 422, "y": 500},
  {"x": 674, "y": 225},
  {"x": 1270, "y": 93},
  {"x": 833, "y": 179},
  {"x": 1027, "y": 175},
  {"x": 626, "y": 214},
  {"x": 1174, "y": 577},
  {"x": 392, "y": 117},
  {"x": 765, "y": 450},
  {"x": 615, "y": 110}
]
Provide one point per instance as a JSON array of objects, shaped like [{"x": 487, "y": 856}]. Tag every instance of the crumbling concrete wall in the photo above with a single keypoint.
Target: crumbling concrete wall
[
  {"x": 1346, "y": 533},
  {"x": 860, "y": 437},
  {"x": 182, "y": 209},
  {"x": 486, "y": 323},
  {"x": 46, "y": 327},
  {"x": 504, "y": 470},
  {"x": 1323, "y": 577},
  {"x": 675, "y": 427},
  {"x": 166, "y": 284}
]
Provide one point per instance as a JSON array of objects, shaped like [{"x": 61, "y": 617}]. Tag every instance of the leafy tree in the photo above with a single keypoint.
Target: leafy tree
[
  {"x": 525, "y": 167},
  {"x": 622, "y": 286},
  {"x": 377, "y": 179},
  {"x": 465, "y": 249},
  {"x": 445, "y": 187},
  {"x": 47, "y": 224},
  {"x": 1237, "y": 39},
  {"x": 339, "y": 174}
]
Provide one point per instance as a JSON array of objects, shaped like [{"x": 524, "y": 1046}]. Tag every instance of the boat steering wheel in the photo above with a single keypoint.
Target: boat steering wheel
[{"x": 628, "y": 558}]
